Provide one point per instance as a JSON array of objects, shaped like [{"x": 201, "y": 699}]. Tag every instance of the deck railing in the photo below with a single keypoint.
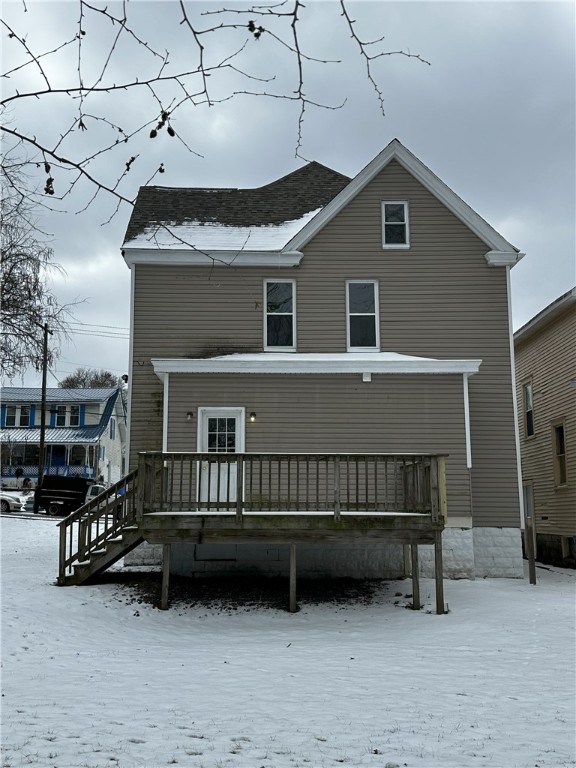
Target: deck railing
[{"x": 240, "y": 483}]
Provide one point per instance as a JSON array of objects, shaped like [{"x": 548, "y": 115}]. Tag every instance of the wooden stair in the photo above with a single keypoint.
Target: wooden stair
[
  {"x": 98, "y": 534},
  {"x": 104, "y": 556}
]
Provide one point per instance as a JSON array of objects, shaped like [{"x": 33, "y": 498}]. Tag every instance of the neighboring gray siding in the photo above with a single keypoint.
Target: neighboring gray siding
[
  {"x": 335, "y": 414},
  {"x": 547, "y": 358},
  {"x": 437, "y": 299}
]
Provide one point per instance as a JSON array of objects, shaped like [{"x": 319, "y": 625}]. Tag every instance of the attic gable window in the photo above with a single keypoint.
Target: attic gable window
[
  {"x": 280, "y": 315},
  {"x": 395, "y": 230}
]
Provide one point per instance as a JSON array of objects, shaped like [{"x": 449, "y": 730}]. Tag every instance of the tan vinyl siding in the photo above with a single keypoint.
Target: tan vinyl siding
[
  {"x": 439, "y": 298},
  {"x": 547, "y": 359},
  {"x": 334, "y": 414}
]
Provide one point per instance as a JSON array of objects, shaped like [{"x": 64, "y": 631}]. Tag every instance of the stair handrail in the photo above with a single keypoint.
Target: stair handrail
[{"x": 90, "y": 526}]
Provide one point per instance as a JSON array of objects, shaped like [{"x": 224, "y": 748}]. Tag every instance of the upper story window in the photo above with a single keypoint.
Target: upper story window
[
  {"x": 362, "y": 316},
  {"x": 559, "y": 455},
  {"x": 66, "y": 416},
  {"x": 112, "y": 428},
  {"x": 395, "y": 229},
  {"x": 280, "y": 315},
  {"x": 528, "y": 410},
  {"x": 18, "y": 416}
]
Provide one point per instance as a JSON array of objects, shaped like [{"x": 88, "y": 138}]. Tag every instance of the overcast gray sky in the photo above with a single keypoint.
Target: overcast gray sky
[{"x": 493, "y": 115}]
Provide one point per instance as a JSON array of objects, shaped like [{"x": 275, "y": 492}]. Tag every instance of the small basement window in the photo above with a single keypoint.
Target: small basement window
[{"x": 395, "y": 229}]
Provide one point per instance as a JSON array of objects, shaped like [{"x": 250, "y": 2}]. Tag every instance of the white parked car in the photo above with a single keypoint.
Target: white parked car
[{"x": 11, "y": 502}]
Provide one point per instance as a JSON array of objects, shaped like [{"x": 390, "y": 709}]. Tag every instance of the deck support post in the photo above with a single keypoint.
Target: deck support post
[
  {"x": 415, "y": 578},
  {"x": 292, "y": 601},
  {"x": 438, "y": 572},
  {"x": 165, "y": 576}
]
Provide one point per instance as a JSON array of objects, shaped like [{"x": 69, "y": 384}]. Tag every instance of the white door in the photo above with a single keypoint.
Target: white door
[{"x": 221, "y": 430}]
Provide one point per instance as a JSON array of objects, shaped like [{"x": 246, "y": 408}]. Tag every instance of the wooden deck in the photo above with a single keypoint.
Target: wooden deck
[{"x": 288, "y": 499}]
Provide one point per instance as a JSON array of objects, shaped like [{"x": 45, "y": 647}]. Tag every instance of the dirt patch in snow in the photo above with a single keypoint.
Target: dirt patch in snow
[{"x": 244, "y": 592}]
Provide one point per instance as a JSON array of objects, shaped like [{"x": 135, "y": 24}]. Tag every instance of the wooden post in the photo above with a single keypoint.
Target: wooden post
[
  {"x": 292, "y": 605},
  {"x": 165, "y": 576},
  {"x": 62, "y": 560},
  {"x": 140, "y": 487},
  {"x": 442, "y": 494},
  {"x": 438, "y": 572},
  {"x": 239, "y": 486},
  {"x": 415, "y": 578},
  {"x": 434, "y": 490},
  {"x": 529, "y": 545}
]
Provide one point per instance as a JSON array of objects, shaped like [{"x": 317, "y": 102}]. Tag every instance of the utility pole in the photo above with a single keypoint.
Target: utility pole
[{"x": 42, "y": 450}]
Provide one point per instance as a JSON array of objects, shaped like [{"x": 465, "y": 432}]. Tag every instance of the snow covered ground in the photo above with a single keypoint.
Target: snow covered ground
[{"x": 91, "y": 680}]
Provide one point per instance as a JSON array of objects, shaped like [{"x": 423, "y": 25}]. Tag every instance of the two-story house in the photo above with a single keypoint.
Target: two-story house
[
  {"x": 546, "y": 394},
  {"x": 85, "y": 434},
  {"x": 321, "y": 315}
]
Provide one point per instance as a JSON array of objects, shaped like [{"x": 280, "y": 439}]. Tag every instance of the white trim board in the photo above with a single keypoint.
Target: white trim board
[
  {"x": 265, "y": 363},
  {"x": 286, "y": 258}
]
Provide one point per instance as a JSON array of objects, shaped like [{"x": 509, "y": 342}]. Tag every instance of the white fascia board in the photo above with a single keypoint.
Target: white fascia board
[
  {"x": 397, "y": 151},
  {"x": 164, "y": 256},
  {"x": 314, "y": 365},
  {"x": 503, "y": 258}
]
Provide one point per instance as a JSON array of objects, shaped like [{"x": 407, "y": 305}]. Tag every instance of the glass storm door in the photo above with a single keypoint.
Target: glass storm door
[{"x": 221, "y": 431}]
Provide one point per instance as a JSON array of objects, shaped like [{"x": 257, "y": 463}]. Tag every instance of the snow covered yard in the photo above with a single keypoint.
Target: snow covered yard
[{"x": 90, "y": 680}]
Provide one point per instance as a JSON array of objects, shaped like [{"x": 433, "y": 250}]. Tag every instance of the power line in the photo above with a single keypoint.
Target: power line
[{"x": 99, "y": 325}]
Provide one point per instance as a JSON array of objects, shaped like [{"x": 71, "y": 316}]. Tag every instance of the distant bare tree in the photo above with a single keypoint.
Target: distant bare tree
[
  {"x": 27, "y": 303},
  {"x": 82, "y": 80},
  {"x": 89, "y": 378}
]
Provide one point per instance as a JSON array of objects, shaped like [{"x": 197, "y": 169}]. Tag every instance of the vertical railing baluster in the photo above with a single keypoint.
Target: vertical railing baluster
[
  {"x": 337, "y": 487},
  {"x": 375, "y": 483},
  {"x": 239, "y": 484}
]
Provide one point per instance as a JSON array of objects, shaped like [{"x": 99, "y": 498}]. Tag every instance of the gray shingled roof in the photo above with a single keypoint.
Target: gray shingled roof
[
  {"x": 28, "y": 395},
  {"x": 289, "y": 198}
]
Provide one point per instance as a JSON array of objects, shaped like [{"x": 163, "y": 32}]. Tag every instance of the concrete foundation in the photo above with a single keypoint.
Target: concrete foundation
[{"x": 467, "y": 553}]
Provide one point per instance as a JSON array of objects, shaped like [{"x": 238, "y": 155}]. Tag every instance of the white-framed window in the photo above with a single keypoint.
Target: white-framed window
[
  {"x": 280, "y": 315},
  {"x": 65, "y": 415},
  {"x": 74, "y": 415},
  {"x": 60, "y": 415},
  {"x": 395, "y": 224},
  {"x": 362, "y": 318},
  {"x": 18, "y": 415},
  {"x": 112, "y": 428},
  {"x": 528, "y": 409}
]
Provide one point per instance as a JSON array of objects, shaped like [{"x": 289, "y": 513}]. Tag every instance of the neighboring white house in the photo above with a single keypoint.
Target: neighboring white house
[{"x": 85, "y": 433}]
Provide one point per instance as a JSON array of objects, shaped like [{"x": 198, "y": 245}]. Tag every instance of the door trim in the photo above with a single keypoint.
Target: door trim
[{"x": 205, "y": 411}]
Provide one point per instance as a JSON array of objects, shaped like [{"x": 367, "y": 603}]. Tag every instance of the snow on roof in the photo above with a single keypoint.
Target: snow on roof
[
  {"x": 311, "y": 363},
  {"x": 206, "y": 236},
  {"x": 274, "y": 212}
]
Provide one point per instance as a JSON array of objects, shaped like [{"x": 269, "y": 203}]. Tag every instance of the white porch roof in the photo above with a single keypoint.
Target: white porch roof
[{"x": 314, "y": 363}]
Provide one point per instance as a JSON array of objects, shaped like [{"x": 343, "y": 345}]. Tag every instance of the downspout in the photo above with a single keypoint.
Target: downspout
[
  {"x": 165, "y": 414},
  {"x": 127, "y": 465},
  {"x": 515, "y": 400},
  {"x": 468, "y": 431}
]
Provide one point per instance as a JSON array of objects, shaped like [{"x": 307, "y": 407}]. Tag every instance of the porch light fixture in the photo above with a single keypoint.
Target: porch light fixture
[
  {"x": 252, "y": 416},
  {"x": 189, "y": 416}
]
